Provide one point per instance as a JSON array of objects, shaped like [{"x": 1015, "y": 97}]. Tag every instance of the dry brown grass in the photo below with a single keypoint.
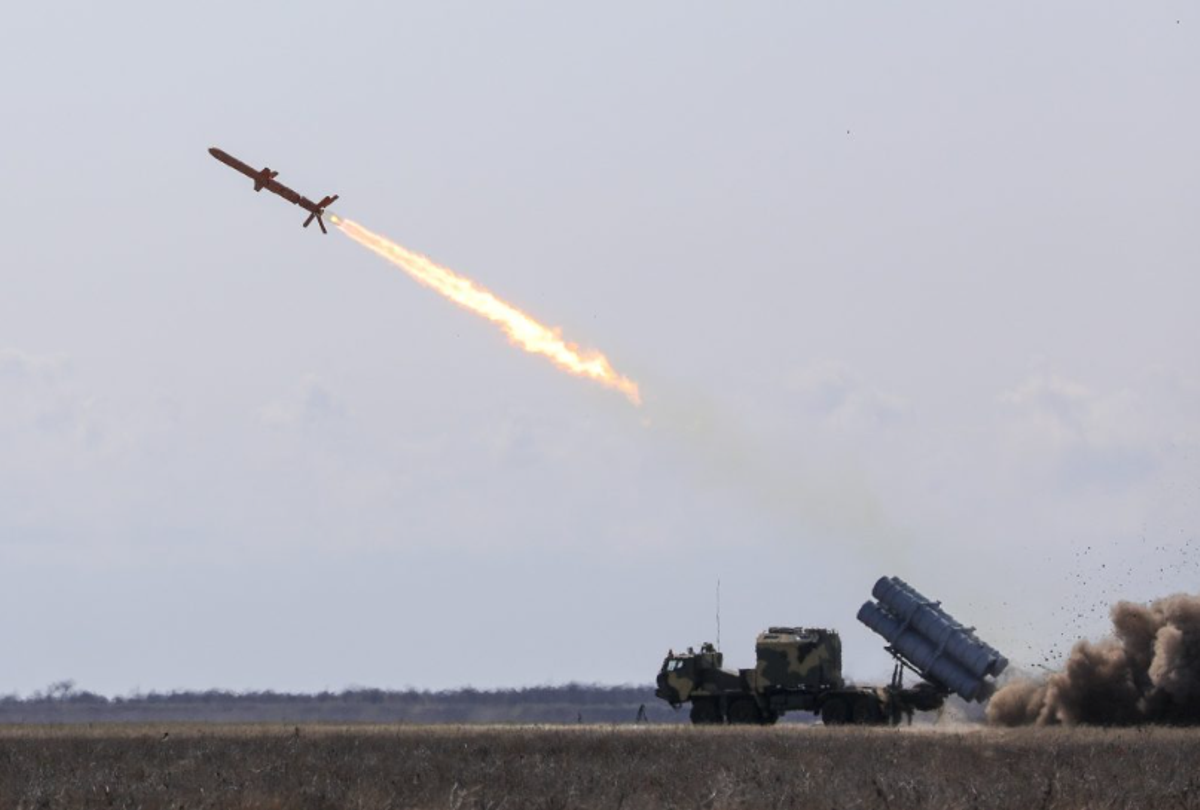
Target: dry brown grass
[{"x": 201, "y": 766}]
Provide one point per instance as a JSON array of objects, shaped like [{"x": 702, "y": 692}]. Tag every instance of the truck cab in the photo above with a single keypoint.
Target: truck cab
[{"x": 684, "y": 673}]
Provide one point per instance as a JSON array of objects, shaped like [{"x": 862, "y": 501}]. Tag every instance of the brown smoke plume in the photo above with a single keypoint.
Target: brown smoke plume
[{"x": 1149, "y": 672}]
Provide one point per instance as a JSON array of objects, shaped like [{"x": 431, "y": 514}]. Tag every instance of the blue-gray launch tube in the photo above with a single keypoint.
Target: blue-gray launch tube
[
  {"x": 939, "y": 627},
  {"x": 928, "y": 657}
]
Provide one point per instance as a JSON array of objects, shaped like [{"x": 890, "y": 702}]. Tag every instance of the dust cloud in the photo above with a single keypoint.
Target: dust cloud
[{"x": 1148, "y": 672}]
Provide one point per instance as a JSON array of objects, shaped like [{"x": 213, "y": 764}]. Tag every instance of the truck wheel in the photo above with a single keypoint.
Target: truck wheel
[
  {"x": 866, "y": 712},
  {"x": 744, "y": 711},
  {"x": 834, "y": 712},
  {"x": 705, "y": 712}
]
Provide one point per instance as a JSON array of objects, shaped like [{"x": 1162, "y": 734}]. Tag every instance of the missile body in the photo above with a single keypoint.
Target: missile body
[{"x": 265, "y": 178}]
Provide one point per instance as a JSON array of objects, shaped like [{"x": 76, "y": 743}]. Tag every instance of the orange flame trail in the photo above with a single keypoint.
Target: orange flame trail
[{"x": 521, "y": 329}]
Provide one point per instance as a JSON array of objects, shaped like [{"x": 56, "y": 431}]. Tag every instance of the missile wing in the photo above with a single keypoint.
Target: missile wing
[{"x": 265, "y": 178}]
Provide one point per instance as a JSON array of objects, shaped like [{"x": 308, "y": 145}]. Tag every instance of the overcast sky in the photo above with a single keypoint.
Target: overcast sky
[{"x": 908, "y": 289}]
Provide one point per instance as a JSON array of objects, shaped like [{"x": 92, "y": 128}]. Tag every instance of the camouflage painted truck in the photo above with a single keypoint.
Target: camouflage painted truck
[{"x": 800, "y": 669}]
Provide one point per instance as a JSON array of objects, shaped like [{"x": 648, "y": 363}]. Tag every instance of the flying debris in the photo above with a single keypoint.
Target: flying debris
[{"x": 266, "y": 179}]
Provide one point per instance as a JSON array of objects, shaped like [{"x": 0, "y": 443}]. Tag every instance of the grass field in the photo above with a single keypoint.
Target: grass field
[{"x": 591, "y": 766}]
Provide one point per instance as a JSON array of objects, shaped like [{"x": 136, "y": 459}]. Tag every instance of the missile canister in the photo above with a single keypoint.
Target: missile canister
[
  {"x": 939, "y": 627},
  {"x": 924, "y": 654}
]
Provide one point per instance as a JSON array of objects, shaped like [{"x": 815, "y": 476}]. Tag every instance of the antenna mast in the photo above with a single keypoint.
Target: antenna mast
[{"x": 718, "y": 613}]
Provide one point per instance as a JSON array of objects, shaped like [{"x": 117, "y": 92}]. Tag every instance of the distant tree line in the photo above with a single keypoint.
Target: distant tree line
[{"x": 62, "y": 702}]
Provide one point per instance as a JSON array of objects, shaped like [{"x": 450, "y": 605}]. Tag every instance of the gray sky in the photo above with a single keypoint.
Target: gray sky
[{"x": 908, "y": 288}]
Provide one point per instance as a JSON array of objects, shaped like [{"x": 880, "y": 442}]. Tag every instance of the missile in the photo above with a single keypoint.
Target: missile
[{"x": 266, "y": 179}]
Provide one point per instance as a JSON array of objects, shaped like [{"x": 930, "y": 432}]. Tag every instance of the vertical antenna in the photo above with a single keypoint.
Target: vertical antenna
[{"x": 718, "y": 613}]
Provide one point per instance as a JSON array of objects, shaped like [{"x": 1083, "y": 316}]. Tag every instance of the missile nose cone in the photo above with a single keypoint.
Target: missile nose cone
[{"x": 212, "y": 150}]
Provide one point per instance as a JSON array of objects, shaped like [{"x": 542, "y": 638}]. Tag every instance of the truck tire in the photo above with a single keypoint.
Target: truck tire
[
  {"x": 835, "y": 712},
  {"x": 744, "y": 711},
  {"x": 705, "y": 712},
  {"x": 866, "y": 711}
]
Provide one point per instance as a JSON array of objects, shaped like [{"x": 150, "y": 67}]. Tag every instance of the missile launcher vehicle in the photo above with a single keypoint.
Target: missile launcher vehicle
[{"x": 800, "y": 669}]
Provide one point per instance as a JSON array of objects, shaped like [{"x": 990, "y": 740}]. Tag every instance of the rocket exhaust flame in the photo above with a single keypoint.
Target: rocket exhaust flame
[{"x": 521, "y": 329}]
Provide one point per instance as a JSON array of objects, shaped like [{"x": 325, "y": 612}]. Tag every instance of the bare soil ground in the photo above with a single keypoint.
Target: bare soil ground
[{"x": 200, "y": 766}]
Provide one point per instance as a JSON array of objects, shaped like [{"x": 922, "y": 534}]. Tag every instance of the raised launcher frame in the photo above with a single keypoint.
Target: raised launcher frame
[{"x": 925, "y": 638}]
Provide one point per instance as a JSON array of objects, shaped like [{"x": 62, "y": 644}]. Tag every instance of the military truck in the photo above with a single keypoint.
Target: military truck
[{"x": 800, "y": 669}]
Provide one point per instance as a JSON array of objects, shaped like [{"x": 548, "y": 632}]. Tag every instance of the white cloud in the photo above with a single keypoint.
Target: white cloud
[
  {"x": 41, "y": 402},
  {"x": 1108, "y": 437},
  {"x": 16, "y": 364},
  {"x": 312, "y": 405},
  {"x": 842, "y": 399}
]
